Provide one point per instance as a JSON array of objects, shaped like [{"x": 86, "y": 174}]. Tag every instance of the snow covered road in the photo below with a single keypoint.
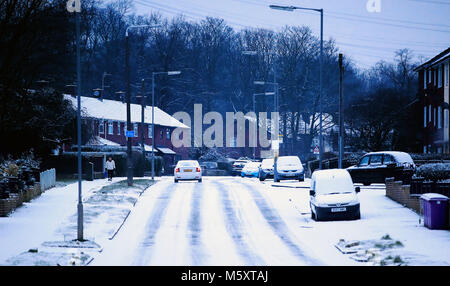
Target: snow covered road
[{"x": 241, "y": 221}]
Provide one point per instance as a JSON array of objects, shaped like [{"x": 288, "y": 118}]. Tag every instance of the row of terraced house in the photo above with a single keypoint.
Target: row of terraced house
[{"x": 433, "y": 94}]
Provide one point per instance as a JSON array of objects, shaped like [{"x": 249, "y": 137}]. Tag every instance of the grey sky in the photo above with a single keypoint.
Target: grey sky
[{"x": 420, "y": 25}]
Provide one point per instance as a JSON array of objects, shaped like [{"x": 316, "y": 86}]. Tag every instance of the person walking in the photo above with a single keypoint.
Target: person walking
[{"x": 110, "y": 168}]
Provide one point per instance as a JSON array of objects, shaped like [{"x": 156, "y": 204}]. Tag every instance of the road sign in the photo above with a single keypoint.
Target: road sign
[
  {"x": 130, "y": 133},
  {"x": 316, "y": 150},
  {"x": 275, "y": 144}
]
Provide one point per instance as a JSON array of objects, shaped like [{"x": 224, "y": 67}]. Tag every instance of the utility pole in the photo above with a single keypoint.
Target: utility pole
[
  {"x": 128, "y": 99},
  {"x": 142, "y": 120},
  {"x": 341, "y": 112}
]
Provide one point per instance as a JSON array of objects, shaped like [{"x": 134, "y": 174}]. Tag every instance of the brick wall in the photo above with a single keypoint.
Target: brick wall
[{"x": 398, "y": 192}]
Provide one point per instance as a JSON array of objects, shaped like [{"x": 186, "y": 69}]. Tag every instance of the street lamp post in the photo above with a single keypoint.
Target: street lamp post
[
  {"x": 275, "y": 104},
  {"x": 290, "y": 9},
  {"x": 128, "y": 99},
  {"x": 169, "y": 73},
  {"x": 253, "y": 53},
  {"x": 74, "y": 6},
  {"x": 105, "y": 74}
]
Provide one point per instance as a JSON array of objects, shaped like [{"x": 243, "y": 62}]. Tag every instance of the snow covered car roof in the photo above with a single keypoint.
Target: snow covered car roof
[
  {"x": 400, "y": 157},
  {"x": 333, "y": 180},
  {"x": 116, "y": 110}
]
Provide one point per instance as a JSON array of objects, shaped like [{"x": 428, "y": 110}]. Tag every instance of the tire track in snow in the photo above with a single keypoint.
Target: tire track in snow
[
  {"x": 155, "y": 220},
  {"x": 235, "y": 229},
  {"x": 278, "y": 226},
  {"x": 194, "y": 225}
]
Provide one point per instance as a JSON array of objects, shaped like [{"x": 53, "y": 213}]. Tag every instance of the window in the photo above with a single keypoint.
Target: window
[
  {"x": 161, "y": 135},
  {"x": 446, "y": 74},
  {"x": 424, "y": 79},
  {"x": 150, "y": 131},
  {"x": 424, "y": 149},
  {"x": 118, "y": 128},
  {"x": 376, "y": 159},
  {"x": 435, "y": 121},
  {"x": 168, "y": 133},
  {"x": 364, "y": 161},
  {"x": 424, "y": 116},
  {"x": 101, "y": 127},
  {"x": 125, "y": 128},
  {"x": 440, "y": 76},
  {"x": 439, "y": 119},
  {"x": 429, "y": 113},
  {"x": 429, "y": 76},
  {"x": 445, "y": 118},
  {"x": 388, "y": 159},
  {"x": 110, "y": 128},
  {"x": 135, "y": 127},
  {"x": 434, "y": 78}
]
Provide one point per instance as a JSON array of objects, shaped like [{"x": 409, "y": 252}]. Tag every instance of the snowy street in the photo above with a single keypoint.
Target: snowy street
[{"x": 241, "y": 221}]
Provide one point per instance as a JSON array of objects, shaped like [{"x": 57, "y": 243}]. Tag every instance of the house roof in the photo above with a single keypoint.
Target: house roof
[
  {"x": 437, "y": 59},
  {"x": 99, "y": 141},
  {"x": 166, "y": 150},
  {"x": 116, "y": 110}
]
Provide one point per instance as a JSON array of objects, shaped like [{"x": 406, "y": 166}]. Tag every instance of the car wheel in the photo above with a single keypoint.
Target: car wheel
[
  {"x": 175, "y": 180},
  {"x": 357, "y": 216},
  {"x": 366, "y": 184},
  {"x": 301, "y": 179},
  {"x": 313, "y": 215},
  {"x": 317, "y": 217},
  {"x": 199, "y": 180}
]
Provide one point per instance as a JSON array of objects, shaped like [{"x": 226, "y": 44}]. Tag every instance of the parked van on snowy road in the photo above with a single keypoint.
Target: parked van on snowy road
[{"x": 332, "y": 195}]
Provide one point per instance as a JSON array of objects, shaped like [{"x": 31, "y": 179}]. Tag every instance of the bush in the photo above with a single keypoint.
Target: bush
[{"x": 434, "y": 172}]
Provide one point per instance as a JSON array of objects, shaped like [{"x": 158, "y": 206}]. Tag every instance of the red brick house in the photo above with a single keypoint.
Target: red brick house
[
  {"x": 108, "y": 119},
  {"x": 433, "y": 94}
]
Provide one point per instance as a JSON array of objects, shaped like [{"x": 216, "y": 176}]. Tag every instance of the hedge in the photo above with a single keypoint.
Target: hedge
[{"x": 434, "y": 172}]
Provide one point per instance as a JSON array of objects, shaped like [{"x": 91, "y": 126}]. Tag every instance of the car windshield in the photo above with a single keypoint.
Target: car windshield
[
  {"x": 289, "y": 161},
  {"x": 252, "y": 165},
  {"x": 364, "y": 161},
  {"x": 267, "y": 163},
  {"x": 331, "y": 182},
  {"x": 334, "y": 186}
]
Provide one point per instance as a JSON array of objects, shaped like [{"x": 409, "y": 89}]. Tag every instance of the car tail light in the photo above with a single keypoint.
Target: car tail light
[
  {"x": 198, "y": 169},
  {"x": 177, "y": 170}
]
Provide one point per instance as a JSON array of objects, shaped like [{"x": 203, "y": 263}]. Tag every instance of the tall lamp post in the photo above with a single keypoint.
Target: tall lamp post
[
  {"x": 169, "y": 73},
  {"x": 74, "y": 6},
  {"x": 290, "y": 9},
  {"x": 253, "y": 53},
  {"x": 128, "y": 99},
  {"x": 275, "y": 104}
]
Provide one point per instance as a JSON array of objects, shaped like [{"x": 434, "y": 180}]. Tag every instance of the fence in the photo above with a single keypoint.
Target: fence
[
  {"x": 419, "y": 186},
  {"x": 47, "y": 179}
]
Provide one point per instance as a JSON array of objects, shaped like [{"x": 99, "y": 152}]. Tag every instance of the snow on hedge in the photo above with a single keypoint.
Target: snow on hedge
[{"x": 434, "y": 172}]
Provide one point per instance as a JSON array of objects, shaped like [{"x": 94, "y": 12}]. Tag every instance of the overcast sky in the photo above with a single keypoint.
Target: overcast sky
[{"x": 420, "y": 25}]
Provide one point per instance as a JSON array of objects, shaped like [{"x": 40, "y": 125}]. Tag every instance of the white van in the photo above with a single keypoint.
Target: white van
[
  {"x": 289, "y": 168},
  {"x": 187, "y": 170},
  {"x": 332, "y": 195}
]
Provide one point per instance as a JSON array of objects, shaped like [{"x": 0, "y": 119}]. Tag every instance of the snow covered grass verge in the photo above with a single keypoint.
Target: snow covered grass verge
[{"x": 106, "y": 207}]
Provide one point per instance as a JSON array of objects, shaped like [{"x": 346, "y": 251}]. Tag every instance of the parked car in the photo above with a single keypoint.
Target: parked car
[
  {"x": 375, "y": 167},
  {"x": 289, "y": 168},
  {"x": 238, "y": 165},
  {"x": 186, "y": 170},
  {"x": 205, "y": 166},
  {"x": 266, "y": 169},
  {"x": 251, "y": 169},
  {"x": 333, "y": 195}
]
